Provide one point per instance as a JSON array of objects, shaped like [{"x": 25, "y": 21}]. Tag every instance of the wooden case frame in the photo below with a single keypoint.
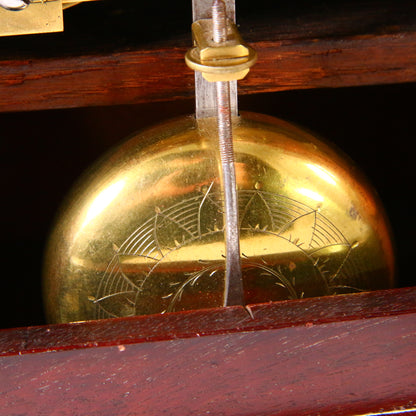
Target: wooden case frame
[{"x": 346, "y": 355}]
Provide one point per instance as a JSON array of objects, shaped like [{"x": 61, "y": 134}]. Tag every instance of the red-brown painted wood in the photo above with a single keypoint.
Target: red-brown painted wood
[
  {"x": 340, "y": 355},
  {"x": 322, "y": 50},
  {"x": 345, "y": 355}
]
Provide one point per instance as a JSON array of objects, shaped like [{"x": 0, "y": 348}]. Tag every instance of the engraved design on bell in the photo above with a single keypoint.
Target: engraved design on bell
[
  {"x": 141, "y": 278},
  {"x": 142, "y": 232}
]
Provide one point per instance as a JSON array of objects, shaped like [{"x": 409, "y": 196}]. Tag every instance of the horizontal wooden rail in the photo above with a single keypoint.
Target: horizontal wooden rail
[
  {"x": 340, "y": 355},
  {"x": 343, "y": 355},
  {"x": 317, "y": 51}
]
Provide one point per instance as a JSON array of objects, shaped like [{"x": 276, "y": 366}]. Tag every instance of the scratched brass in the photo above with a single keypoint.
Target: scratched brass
[
  {"x": 142, "y": 231},
  {"x": 39, "y": 17}
]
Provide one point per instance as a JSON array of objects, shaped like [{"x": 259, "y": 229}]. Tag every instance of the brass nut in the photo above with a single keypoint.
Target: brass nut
[{"x": 227, "y": 61}]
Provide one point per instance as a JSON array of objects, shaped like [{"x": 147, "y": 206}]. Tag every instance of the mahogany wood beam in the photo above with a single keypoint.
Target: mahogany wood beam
[
  {"x": 340, "y": 355},
  {"x": 313, "y": 53}
]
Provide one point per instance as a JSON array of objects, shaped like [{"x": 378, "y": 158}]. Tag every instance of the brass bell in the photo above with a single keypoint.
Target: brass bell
[{"x": 143, "y": 231}]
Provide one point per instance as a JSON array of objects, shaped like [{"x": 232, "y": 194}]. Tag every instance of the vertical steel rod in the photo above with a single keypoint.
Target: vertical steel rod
[
  {"x": 234, "y": 293},
  {"x": 205, "y": 92}
]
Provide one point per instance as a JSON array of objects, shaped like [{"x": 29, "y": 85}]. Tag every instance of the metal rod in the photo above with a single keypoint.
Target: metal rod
[
  {"x": 205, "y": 92},
  {"x": 234, "y": 292}
]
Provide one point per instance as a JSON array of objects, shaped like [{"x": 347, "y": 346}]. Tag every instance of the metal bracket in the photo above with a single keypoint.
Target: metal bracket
[
  {"x": 227, "y": 61},
  {"x": 205, "y": 92},
  {"x": 18, "y": 17}
]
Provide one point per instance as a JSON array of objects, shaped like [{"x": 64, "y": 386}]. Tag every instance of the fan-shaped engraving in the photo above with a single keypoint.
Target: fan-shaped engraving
[
  {"x": 301, "y": 230},
  {"x": 175, "y": 260}
]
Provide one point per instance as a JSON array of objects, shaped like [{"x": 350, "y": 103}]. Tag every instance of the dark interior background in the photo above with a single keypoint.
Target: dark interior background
[{"x": 44, "y": 152}]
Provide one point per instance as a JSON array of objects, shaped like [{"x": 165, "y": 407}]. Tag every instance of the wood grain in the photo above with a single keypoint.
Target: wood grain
[
  {"x": 345, "y": 355},
  {"x": 340, "y": 355},
  {"x": 313, "y": 51}
]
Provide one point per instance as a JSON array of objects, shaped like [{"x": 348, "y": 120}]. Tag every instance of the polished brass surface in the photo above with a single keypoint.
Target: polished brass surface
[
  {"x": 228, "y": 61},
  {"x": 42, "y": 17},
  {"x": 38, "y": 16},
  {"x": 142, "y": 232}
]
